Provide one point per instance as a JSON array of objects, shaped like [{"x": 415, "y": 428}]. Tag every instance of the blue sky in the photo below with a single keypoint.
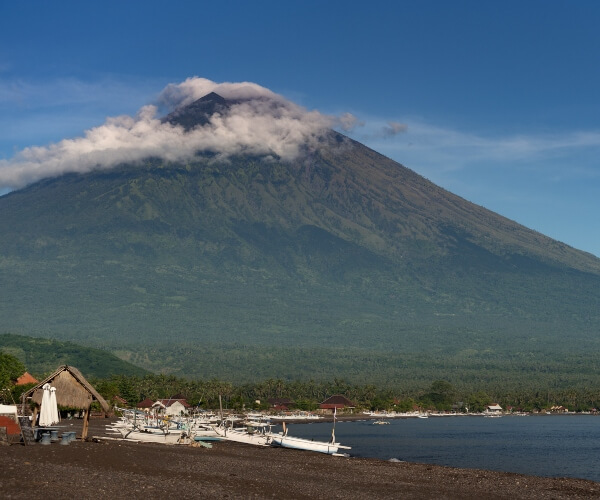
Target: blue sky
[{"x": 494, "y": 101}]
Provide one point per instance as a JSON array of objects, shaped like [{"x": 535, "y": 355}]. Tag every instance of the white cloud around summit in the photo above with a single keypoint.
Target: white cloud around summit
[{"x": 262, "y": 123}]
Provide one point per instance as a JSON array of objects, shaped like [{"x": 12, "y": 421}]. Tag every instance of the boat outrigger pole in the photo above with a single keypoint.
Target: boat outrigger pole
[
  {"x": 222, "y": 421},
  {"x": 333, "y": 429}
]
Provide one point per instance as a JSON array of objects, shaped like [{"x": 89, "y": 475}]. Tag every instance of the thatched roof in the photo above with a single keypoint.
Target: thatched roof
[{"x": 72, "y": 390}]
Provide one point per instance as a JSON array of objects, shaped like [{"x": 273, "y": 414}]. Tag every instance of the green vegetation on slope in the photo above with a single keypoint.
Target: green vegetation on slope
[
  {"x": 244, "y": 374},
  {"x": 42, "y": 356},
  {"x": 342, "y": 263},
  {"x": 468, "y": 369}
]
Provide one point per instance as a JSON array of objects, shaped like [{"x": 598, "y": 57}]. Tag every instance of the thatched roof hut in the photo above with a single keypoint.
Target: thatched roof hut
[{"x": 72, "y": 390}]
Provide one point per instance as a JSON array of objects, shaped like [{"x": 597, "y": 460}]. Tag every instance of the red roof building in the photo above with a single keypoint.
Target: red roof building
[
  {"x": 337, "y": 402},
  {"x": 26, "y": 378},
  {"x": 146, "y": 404}
]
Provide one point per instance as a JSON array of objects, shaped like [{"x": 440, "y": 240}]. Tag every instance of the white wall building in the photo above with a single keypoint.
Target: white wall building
[{"x": 171, "y": 407}]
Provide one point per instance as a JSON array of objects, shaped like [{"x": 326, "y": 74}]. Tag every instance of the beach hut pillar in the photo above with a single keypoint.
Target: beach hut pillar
[
  {"x": 35, "y": 414},
  {"x": 86, "y": 423}
]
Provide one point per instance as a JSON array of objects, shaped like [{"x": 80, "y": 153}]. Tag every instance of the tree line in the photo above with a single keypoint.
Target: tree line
[{"x": 440, "y": 395}]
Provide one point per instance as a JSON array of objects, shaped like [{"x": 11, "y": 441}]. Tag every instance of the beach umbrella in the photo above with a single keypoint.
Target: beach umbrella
[
  {"x": 45, "y": 411},
  {"x": 54, "y": 406}
]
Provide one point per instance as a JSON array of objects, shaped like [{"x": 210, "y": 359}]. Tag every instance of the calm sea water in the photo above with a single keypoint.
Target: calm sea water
[{"x": 553, "y": 445}]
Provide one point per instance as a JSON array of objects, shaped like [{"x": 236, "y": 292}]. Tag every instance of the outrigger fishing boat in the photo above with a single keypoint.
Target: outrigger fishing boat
[
  {"x": 381, "y": 422},
  {"x": 136, "y": 426},
  {"x": 330, "y": 447},
  {"x": 248, "y": 435},
  {"x": 253, "y": 432}
]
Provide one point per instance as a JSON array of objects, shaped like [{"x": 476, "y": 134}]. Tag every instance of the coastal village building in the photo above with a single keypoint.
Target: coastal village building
[
  {"x": 337, "y": 402},
  {"x": 495, "y": 408},
  {"x": 25, "y": 379},
  {"x": 72, "y": 391},
  {"x": 10, "y": 431},
  {"x": 145, "y": 405},
  {"x": 118, "y": 401},
  {"x": 281, "y": 404},
  {"x": 171, "y": 407}
]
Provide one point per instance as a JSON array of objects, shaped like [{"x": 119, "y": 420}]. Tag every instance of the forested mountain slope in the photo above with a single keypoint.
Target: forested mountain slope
[{"x": 339, "y": 249}]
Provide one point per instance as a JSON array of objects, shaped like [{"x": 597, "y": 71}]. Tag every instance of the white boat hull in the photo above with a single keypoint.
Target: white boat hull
[
  {"x": 257, "y": 439},
  {"x": 306, "y": 444},
  {"x": 169, "y": 437}
]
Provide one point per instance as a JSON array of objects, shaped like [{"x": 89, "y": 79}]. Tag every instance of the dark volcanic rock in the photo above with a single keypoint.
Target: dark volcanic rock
[{"x": 199, "y": 112}]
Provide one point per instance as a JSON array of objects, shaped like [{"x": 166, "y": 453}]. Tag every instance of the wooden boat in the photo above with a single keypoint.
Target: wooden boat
[
  {"x": 285, "y": 441},
  {"x": 251, "y": 434},
  {"x": 381, "y": 422},
  {"x": 146, "y": 435},
  {"x": 247, "y": 435},
  {"x": 296, "y": 416},
  {"x": 330, "y": 448}
]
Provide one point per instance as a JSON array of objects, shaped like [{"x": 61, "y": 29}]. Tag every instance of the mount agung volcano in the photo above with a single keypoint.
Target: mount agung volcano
[{"x": 297, "y": 253}]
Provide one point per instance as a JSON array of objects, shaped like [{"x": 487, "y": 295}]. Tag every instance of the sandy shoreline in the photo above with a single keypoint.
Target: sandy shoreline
[{"x": 229, "y": 470}]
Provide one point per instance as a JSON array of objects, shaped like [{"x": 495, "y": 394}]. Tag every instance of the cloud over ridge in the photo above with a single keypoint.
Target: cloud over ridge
[{"x": 259, "y": 122}]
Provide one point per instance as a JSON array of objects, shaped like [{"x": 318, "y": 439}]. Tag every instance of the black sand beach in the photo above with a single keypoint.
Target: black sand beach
[{"x": 114, "y": 469}]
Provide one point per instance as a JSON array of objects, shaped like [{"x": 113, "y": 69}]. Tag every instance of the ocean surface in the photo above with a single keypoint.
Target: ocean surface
[{"x": 548, "y": 445}]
